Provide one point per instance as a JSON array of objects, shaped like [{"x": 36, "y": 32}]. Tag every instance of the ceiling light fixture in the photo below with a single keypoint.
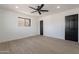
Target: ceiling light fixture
[
  {"x": 58, "y": 7},
  {"x": 17, "y": 7}
]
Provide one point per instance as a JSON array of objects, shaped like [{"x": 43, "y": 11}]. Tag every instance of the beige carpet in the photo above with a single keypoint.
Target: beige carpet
[{"x": 39, "y": 45}]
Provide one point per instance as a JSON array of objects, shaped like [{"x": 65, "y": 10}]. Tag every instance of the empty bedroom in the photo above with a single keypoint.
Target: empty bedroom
[{"x": 39, "y": 29}]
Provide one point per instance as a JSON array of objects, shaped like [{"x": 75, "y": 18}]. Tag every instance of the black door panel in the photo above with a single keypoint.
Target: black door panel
[
  {"x": 71, "y": 27},
  {"x": 41, "y": 27}
]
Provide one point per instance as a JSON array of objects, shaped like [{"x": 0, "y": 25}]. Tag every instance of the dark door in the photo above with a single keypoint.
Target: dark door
[
  {"x": 41, "y": 27},
  {"x": 71, "y": 27}
]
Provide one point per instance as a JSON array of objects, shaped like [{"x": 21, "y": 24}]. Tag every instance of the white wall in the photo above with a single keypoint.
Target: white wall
[
  {"x": 1, "y": 24},
  {"x": 54, "y": 24},
  {"x": 9, "y": 29}
]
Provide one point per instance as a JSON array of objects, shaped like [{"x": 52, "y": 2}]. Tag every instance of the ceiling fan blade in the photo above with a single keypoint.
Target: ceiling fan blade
[
  {"x": 33, "y": 11},
  {"x": 41, "y": 6},
  {"x": 44, "y": 10},
  {"x": 32, "y": 8},
  {"x": 39, "y": 12}
]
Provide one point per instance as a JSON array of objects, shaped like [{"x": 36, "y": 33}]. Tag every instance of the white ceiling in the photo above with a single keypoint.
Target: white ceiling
[{"x": 24, "y": 8}]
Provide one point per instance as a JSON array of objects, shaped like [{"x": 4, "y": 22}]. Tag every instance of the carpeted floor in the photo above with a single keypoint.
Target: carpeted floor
[{"x": 39, "y": 45}]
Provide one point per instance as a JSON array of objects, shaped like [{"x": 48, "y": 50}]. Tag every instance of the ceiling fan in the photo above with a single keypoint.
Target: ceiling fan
[{"x": 38, "y": 9}]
